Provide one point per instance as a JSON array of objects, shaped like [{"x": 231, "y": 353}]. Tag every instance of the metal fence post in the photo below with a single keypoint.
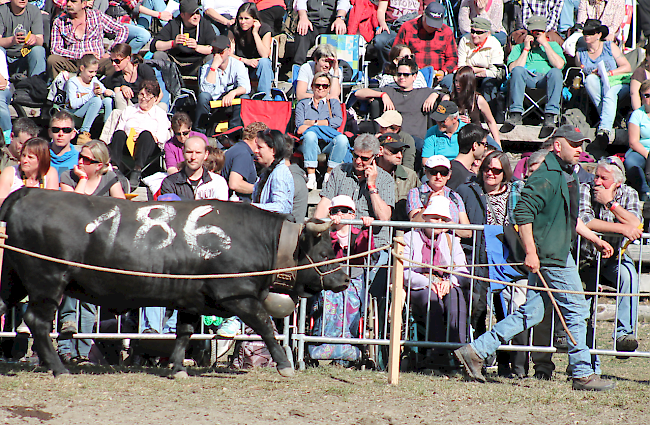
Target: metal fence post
[{"x": 396, "y": 307}]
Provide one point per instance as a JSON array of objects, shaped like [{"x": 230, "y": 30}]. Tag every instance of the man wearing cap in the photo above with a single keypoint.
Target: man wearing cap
[
  {"x": 483, "y": 52},
  {"x": 442, "y": 138},
  {"x": 472, "y": 142},
  {"x": 315, "y": 18},
  {"x": 431, "y": 41},
  {"x": 411, "y": 103},
  {"x": 225, "y": 78},
  {"x": 186, "y": 39},
  {"x": 610, "y": 206},
  {"x": 80, "y": 31},
  {"x": 535, "y": 63},
  {"x": 194, "y": 181},
  {"x": 547, "y": 216},
  {"x": 391, "y": 122},
  {"x": 390, "y": 160}
]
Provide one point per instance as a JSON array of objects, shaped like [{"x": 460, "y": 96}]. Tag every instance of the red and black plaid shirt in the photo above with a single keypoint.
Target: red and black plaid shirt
[{"x": 437, "y": 49}]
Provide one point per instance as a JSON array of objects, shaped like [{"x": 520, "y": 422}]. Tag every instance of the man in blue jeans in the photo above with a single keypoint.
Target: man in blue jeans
[
  {"x": 548, "y": 209},
  {"x": 535, "y": 63}
]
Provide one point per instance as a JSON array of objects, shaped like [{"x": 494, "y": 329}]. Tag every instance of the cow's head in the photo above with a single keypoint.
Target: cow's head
[{"x": 314, "y": 246}]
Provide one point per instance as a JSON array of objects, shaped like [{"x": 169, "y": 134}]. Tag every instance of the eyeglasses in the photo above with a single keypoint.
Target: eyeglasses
[
  {"x": 117, "y": 60},
  {"x": 495, "y": 171},
  {"x": 477, "y": 32},
  {"x": 443, "y": 171},
  {"x": 363, "y": 158},
  {"x": 66, "y": 130},
  {"x": 646, "y": 95},
  {"x": 145, "y": 96},
  {"x": 182, "y": 133},
  {"x": 88, "y": 161},
  {"x": 404, "y": 74},
  {"x": 342, "y": 210},
  {"x": 321, "y": 86}
]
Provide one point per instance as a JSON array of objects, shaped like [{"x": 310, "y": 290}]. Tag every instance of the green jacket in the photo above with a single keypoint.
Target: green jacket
[{"x": 545, "y": 203}]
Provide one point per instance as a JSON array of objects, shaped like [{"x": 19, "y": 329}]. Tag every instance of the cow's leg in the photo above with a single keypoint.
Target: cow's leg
[
  {"x": 39, "y": 317},
  {"x": 184, "y": 329},
  {"x": 253, "y": 313}
]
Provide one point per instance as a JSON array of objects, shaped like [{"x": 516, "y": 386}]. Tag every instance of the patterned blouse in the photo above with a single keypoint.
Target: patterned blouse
[{"x": 497, "y": 209}]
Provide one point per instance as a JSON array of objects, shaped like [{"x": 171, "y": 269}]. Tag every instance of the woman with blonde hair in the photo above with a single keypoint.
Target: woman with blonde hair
[{"x": 93, "y": 174}]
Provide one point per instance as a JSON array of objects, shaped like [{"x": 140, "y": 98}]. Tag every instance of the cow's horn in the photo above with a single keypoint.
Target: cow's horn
[{"x": 317, "y": 227}]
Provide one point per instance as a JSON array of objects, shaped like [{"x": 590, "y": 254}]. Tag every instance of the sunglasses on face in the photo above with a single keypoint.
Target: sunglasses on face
[
  {"x": 477, "y": 32},
  {"x": 182, "y": 133},
  {"x": 646, "y": 95},
  {"x": 116, "y": 60},
  {"x": 342, "y": 210},
  {"x": 405, "y": 57},
  {"x": 404, "y": 74},
  {"x": 363, "y": 158},
  {"x": 394, "y": 151},
  {"x": 321, "y": 86},
  {"x": 443, "y": 171},
  {"x": 66, "y": 130},
  {"x": 495, "y": 171},
  {"x": 88, "y": 161},
  {"x": 589, "y": 33}
]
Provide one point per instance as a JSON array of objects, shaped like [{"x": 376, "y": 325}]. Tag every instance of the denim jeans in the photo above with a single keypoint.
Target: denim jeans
[
  {"x": 157, "y": 5},
  {"x": 152, "y": 318},
  {"x": 606, "y": 103},
  {"x": 520, "y": 78},
  {"x": 68, "y": 313},
  {"x": 264, "y": 76},
  {"x": 568, "y": 15},
  {"x": 336, "y": 148},
  {"x": 138, "y": 37},
  {"x": 5, "y": 115},
  {"x": 573, "y": 307},
  {"x": 629, "y": 284},
  {"x": 34, "y": 63},
  {"x": 635, "y": 171},
  {"x": 90, "y": 110},
  {"x": 383, "y": 43}
]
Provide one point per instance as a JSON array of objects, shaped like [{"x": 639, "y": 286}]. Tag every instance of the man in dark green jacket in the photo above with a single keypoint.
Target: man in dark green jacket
[{"x": 548, "y": 209}]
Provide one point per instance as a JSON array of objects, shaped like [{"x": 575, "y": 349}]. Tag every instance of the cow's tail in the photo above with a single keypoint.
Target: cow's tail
[{"x": 11, "y": 200}]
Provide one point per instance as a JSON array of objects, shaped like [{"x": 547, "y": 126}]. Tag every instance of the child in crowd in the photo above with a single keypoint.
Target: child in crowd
[{"x": 86, "y": 95}]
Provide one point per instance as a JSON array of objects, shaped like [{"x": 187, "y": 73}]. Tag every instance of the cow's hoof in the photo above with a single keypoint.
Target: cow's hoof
[
  {"x": 287, "y": 372},
  {"x": 181, "y": 374}
]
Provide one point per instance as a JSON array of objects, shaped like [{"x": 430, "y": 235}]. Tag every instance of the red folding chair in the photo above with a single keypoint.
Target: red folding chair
[{"x": 275, "y": 114}]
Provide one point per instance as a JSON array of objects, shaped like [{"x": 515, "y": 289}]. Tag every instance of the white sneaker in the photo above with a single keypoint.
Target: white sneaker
[
  {"x": 326, "y": 177},
  {"x": 311, "y": 181},
  {"x": 230, "y": 328}
]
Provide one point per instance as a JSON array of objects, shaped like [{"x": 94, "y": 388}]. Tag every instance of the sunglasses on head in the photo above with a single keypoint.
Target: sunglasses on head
[
  {"x": 495, "y": 171},
  {"x": 443, "y": 171},
  {"x": 321, "y": 86},
  {"x": 342, "y": 210},
  {"x": 477, "y": 32},
  {"x": 66, "y": 130},
  {"x": 88, "y": 161},
  {"x": 363, "y": 158},
  {"x": 404, "y": 74},
  {"x": 182, "y": 133}
]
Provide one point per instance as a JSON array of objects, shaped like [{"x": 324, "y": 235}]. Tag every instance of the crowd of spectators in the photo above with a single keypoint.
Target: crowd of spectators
[{"x": 426, "y": 155}]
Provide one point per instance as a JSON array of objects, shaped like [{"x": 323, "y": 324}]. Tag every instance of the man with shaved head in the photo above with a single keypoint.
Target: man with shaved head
[{"x": 193, "y": 181}]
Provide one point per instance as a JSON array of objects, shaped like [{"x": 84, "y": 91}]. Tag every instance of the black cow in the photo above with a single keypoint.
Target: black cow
[{"x": 198, "y": 237}]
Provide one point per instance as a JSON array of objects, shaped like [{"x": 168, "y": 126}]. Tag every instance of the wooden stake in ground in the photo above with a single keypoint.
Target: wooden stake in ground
[
  {"x": 556, "y": 307},
  {"x": 396, "y": 308}
]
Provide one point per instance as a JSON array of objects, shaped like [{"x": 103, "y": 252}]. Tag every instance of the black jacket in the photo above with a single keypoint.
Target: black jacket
[{"x": 177, "y": 183}]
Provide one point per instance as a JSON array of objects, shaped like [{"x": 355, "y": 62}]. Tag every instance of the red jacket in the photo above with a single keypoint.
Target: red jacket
[{"x": 363, "y": 19}]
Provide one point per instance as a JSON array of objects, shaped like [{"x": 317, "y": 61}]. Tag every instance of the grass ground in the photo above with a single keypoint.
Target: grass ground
[{"x": 321, "y": 395}]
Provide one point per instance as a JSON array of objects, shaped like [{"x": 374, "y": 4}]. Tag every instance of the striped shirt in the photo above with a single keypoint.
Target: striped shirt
[
  {"x": 344, "y": 181},
  {"x": 550, "y": 9}
]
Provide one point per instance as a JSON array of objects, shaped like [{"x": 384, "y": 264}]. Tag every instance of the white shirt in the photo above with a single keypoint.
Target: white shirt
[
  {"x": 154, "y": 120},
  {"x": 488, "y": 56},
  {"x": 235, "y": 75},
  {"x": 217, "y": 188},
  {"x": 340, "y": 5},
  {"x": 223, "y": 7}
]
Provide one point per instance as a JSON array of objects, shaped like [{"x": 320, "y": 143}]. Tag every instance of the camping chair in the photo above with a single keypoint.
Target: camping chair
[
  {"x": 173, "y": 83},
  {"x": 275, "y": 114},
  {"x": 352, "y": 49}
]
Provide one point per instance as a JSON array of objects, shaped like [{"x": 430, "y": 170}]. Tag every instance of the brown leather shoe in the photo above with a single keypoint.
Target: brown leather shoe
[
  {"x": 472, "y": 363},
  {"x": 593, "y": 382}
]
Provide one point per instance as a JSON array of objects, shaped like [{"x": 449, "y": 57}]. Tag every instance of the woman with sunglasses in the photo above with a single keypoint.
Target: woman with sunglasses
[
  {"x": 471, "y": 105},
  {"x": 588, "y": 57},
  {"x": 639, "y": 75},
  {"x": 274, "y": 189},
  {"x": 130, "y": 72},
  {"x": 182, "y": 129},
  {"x": 636, "y": 158},
  {"x": 389, "y": 77},
  {"x": 438, "y": 171},
  {"x": 251, "y": 44},
  {"x": 144, "y": 124},
  {"x": 319, "y": 118},
  {"x": 34, "y": 169}
]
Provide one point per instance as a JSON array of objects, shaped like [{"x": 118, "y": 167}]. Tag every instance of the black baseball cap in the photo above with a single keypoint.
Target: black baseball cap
[
  {"x": 220, "y": 43},
  {"x": 571, "y": 133},
  {"x": 391, "y": 140},
  {"x": 444, "y": 109},
  {"x": 189, "y": 6}
]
